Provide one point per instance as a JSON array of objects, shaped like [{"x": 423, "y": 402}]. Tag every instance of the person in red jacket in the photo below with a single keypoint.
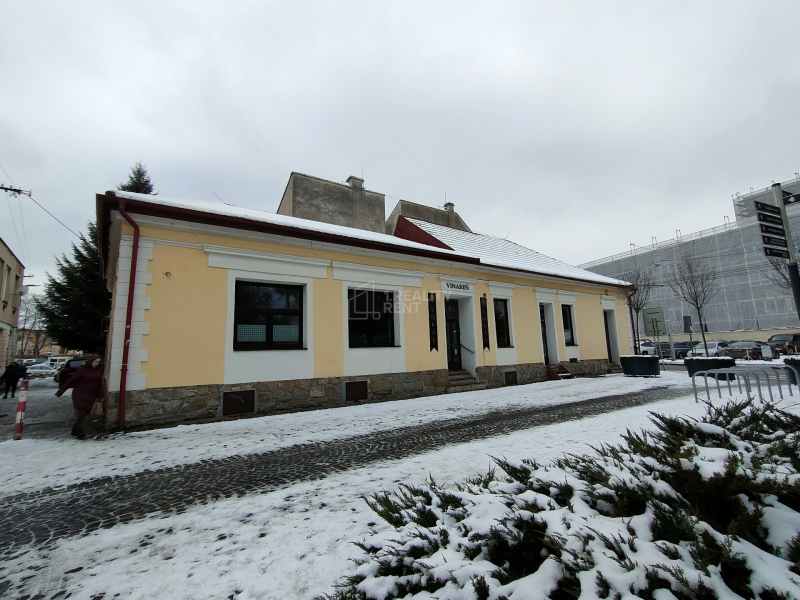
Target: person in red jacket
[{"x": 87, "y": 386}]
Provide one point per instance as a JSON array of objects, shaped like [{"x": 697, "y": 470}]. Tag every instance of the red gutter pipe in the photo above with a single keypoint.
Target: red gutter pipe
[{"x": 123, "y": 377}]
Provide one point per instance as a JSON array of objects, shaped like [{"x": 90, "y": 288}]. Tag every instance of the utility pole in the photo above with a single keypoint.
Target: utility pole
[
  {"x": 794, "y": 275},
  {"x": 776, "y": 235},
  {"x": 15, "y": 191}
]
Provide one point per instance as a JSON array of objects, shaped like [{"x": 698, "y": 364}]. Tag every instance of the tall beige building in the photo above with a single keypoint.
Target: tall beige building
[{"x": 11, "y": 274}]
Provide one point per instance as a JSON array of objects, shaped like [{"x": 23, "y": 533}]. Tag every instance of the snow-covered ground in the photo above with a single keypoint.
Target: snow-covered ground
[
  {"x": 53, "y": 462},
  {"x": 295, "y": 542}
]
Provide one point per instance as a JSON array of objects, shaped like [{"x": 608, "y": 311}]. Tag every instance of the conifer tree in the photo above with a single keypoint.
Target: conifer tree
[
  {"x": 138, "y": 181},
  {"x": 76, "y": 301}
]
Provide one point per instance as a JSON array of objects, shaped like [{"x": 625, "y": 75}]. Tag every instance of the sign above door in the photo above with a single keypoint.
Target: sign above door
[{"x": 457, "y": 287}]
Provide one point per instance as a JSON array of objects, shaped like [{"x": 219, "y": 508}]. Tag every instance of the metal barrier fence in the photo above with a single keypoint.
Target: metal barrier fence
[{"x": 746, "y": 376}]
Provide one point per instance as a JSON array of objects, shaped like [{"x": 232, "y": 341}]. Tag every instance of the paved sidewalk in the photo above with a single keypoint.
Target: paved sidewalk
[
  {"x": 43, "y": 517},
  {"x": 46, "y": 416}
]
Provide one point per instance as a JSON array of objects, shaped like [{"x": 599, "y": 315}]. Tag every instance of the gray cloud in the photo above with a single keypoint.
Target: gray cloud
[{"x": 578, "y": 127}]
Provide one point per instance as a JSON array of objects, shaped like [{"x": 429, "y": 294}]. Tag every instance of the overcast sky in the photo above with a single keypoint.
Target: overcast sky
[{"x": 578, "y": 127}]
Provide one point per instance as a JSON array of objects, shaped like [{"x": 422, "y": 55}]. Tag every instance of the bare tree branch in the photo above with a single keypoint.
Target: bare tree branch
[
  {"x": 30, "y": 325},
  {"x": 638, "y": 293},
  {"x": 694, "y": 281},
  {"x": 778, "y": 274}
]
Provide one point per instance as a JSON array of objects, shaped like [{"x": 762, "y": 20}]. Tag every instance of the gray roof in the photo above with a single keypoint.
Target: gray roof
[{"x": 504, "y": 253}]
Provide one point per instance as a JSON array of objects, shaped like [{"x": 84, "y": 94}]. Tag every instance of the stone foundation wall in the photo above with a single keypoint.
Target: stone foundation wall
[
  {"x": 535, "y": 372},
  {"x": 172, "y": 405}
]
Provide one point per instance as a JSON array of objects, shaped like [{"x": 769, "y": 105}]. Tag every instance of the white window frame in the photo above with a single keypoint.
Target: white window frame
[
  {"x": 397, "y": 297},
  {"x": 269, "y": 364},
  {"x": 573, "y": 350},
  {"x": 505, "y": 356},
  {"x": 380, "y": 359}
]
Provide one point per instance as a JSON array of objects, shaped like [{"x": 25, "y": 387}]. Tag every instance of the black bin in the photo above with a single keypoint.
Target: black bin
[
  {"x": 791, "y": 362},
  {"x": 693, "y": 365},
  {"x": 640, "y": 366}
]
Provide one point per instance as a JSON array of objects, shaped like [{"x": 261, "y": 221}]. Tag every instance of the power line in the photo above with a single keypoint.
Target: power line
[
  {"x": 55, "y": 217},
  {"x": 6, "y": 172},
  {"x": 29, "y": 195}
]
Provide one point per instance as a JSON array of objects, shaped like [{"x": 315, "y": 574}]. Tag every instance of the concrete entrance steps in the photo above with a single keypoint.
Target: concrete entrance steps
[
  {"x": 614, "y": 368},
  {"x": 558, "y": 372},
  {"x": 463, "y": 381}
]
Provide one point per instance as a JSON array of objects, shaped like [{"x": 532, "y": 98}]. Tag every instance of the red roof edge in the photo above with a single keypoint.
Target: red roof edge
[
  {"x": 406, "y": 230},
  {"x": 108, "y": 202}
]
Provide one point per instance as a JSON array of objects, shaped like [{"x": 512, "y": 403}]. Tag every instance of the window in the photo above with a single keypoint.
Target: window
[
  {"x": 370, "y": 318},
  {"x": 267, "y": 316},
  {"x": 5, "y": 274},
  {"x": 569, "y": 330},
  {"x": 501, "y": 323}
]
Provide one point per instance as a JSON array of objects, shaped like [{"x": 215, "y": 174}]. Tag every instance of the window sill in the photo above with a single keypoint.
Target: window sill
[
  {"x": 504, "y": 347},
  {"x": 373, "y": 347},
  {"x": 267, "y": 349},
  {"x": 571, "y": 345}
]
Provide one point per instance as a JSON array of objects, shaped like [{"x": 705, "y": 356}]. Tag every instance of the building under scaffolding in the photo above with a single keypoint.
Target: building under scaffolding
[{"x": 746, "y": 297}]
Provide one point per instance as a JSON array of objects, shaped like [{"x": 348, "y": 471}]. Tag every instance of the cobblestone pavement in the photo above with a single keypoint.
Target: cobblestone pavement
[{"x": 42, "y": 517}]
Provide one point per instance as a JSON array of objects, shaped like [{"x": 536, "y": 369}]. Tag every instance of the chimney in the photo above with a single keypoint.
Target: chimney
[
  {"x": 449, "y": 206},
  {"x": 355, "y": 182}
]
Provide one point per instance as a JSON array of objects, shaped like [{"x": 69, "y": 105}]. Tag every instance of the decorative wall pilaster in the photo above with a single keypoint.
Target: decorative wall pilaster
[{"x": 139, "y": 327}]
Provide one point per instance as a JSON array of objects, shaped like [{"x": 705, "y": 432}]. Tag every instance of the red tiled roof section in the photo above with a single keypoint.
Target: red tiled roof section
[{"x": 409, "y": 231}]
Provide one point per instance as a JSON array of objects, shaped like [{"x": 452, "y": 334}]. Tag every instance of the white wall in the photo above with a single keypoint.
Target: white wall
[
  {"x": 505, "y": 356},
  {"x": 372, "y": 361},
  {"x": 137, "y": 353},
  {"x": 609, "y": 308},
  {"x": 245, "y": 366},
  {"x": 469, "y": 334}
]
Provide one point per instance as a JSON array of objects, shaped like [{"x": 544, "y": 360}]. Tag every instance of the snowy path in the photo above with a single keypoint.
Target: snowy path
[
  {"x": 38, "y": 463},
  {"x": 294, "y": 542},
  {"x": 44, "y": 517}
]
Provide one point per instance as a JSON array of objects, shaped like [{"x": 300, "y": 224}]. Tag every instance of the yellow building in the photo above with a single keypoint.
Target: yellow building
[
  {"x": 236, "y": 310},
  {"x": 11, "y": 277}
]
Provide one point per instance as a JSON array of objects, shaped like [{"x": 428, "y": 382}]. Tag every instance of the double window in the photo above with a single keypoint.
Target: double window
[
  {"x": 268, "y": 316},
  {"x": 370, "y": 319},
  {"x": 501, "y": 323},
  {"x": 569, "y": 325}
]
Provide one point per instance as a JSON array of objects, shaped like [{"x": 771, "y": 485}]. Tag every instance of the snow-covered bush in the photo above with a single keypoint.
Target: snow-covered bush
[{"x": 689, "y": 510}]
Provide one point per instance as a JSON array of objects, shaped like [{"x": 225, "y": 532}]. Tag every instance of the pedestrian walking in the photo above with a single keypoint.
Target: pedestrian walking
[
  {"x": 11, "y": 376},
  {"x": 87, "y": 387}
]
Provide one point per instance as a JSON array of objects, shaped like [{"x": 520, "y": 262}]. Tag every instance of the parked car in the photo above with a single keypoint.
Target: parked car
[
  {"x": 35, "y": 371},
  {"x": 56, "y": 362},
  {"x": 647, "y": 347},
  {"x": 682, "y": 350},
  {"x": 68, "y": 369},
  {"x": 785, "y": 343},
  {"x": 714, "y": 349},
  {"x": 749, "y": 350}
]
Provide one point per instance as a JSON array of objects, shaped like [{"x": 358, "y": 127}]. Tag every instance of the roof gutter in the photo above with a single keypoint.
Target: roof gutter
[
  {"x": 185, "y": 214},
  {"x": 197, "y": 216},
  {"x": 123, "y": 375}
]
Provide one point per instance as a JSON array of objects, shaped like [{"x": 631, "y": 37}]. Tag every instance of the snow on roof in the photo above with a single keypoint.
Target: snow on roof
[
  {"x": 503, "y": 253},
  {"x": 262, "y": 216},
  {"x": 489, "y": 250}
]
